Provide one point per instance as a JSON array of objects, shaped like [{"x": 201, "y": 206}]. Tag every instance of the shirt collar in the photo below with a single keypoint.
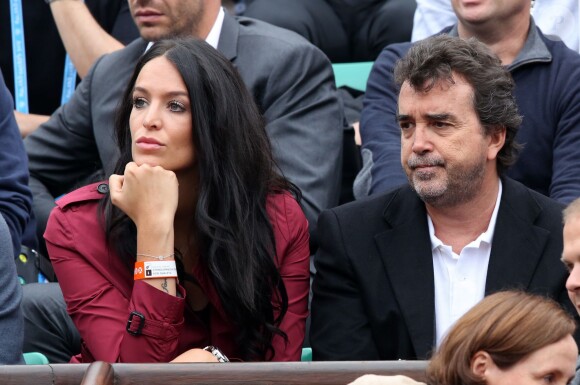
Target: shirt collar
[
  {"x": 486, "y": 236},
  {"x": 534, "y": 49},
  {"x": 214, "y": 34}
]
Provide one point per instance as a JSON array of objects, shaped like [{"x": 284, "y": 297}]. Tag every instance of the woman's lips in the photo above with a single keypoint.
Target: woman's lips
[{"x": 148, "y": 144}]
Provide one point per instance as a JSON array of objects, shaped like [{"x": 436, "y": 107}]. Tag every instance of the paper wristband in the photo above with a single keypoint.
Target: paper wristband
[{"x": 155, "y": 269}]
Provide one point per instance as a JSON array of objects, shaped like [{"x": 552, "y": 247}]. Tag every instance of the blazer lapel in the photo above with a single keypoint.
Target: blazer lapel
[
  {"x": 517, "y": 243},
  {"x": 228, "y": 41},
  {"x": 405, "y": 250}
]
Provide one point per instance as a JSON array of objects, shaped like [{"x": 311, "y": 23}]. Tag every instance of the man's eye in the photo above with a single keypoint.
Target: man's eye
[
  {"x": 440, "y": 124},
  {"x": 405, "y": 125},
  {"x": 548, "y": 379}
]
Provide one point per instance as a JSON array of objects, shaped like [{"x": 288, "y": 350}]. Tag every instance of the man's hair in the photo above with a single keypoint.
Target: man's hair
[
  {"x": 435, "y": 59},
  {"x": 572, "y": 209},
  {"x": 508, "y": 326}
]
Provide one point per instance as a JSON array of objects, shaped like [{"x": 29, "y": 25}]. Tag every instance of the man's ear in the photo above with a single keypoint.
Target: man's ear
[
  {"x": 481, "y": 363},
  {"x": 496, "y": 141}
]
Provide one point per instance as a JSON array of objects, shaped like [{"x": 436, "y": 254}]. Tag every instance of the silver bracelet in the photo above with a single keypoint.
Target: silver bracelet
[
  {"x": 216, "y": 353},
  {"x": 158, "y": 257}
]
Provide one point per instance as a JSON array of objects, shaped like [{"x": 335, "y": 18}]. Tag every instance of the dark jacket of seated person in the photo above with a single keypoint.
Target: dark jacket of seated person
[{"x": 394, "y": 272}]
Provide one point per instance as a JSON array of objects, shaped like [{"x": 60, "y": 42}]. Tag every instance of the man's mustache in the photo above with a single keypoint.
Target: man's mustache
[{"x": 424, "y": 161}]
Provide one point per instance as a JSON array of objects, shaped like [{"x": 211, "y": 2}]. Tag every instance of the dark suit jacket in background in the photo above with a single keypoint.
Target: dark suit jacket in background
[
  {"x": 374, "y": 287},
  {"x": 292, "y": 83}
]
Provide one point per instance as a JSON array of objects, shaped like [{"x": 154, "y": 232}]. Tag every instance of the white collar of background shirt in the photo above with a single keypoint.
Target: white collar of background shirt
[{"x": 214, "y": 34}]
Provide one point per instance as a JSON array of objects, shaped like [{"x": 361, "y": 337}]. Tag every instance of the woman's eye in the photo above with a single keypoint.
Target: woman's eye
[
  {"x": 138, "y": 102},
  {"x": 176, "y": 106}
]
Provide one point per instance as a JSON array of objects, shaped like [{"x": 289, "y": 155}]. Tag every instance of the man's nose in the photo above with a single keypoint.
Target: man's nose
[
  {"x": 421, "y": 140},
  {"x": 573, "y": 281}
]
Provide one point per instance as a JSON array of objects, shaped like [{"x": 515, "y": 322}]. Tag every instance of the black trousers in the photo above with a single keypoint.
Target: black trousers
[
  {"x": 48, "y": 329},
  {"x": 345, "y": 33}
]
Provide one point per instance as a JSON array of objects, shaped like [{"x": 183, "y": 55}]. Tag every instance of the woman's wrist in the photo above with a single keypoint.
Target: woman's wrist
[
  {"x": 155, "y": 226},
  {"x": 168, "y": 257},
  {"x": 155, "y": 244}
]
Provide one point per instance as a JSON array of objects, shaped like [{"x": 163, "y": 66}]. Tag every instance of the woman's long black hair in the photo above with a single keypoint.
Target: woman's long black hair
[{"x": 236, "y": 174}]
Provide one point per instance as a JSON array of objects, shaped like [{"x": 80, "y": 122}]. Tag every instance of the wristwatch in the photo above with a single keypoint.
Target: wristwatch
[{"x": 216, "y": 353}]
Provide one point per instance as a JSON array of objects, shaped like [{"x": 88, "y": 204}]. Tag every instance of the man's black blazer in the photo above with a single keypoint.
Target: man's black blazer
[{"x": 374, "y": 287}]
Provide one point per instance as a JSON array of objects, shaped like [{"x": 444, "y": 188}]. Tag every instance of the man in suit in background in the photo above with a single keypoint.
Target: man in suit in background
[
  {"x": 291, "y": 81},
  {"x": 396, "y": 271}
]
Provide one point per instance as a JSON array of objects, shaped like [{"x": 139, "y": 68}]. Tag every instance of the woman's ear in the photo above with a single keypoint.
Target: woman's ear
[{"x": 481, "y": 363}]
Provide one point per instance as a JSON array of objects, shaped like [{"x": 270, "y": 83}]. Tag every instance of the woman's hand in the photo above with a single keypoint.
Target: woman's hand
[
  {"x": 148, "y": 195},
  {"x": 195, "y": 355}
]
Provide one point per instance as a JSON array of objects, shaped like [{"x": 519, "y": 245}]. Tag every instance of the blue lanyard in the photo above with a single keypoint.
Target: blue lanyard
[
  {"x": 19, "y": 56},
  {"x": 69, "y": 80},
  {"x": 19, "y": 62}
]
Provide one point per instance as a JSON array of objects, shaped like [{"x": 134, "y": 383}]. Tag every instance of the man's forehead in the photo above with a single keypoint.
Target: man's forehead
[
  {"x": 572, "y": 223},
  {"x": 442, "y": 83},
  {"x": 442, "y": 97}
]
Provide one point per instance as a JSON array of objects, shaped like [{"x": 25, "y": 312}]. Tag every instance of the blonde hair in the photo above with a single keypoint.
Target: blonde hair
[{"x": 508, "y": 326}]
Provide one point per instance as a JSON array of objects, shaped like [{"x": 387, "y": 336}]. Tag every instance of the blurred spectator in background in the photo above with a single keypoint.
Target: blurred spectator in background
[
  {"x": 15, "y": 196},
  {"x": 15, "y": 208},
  {"x": 559, "y": 18},
  {"x": 345, "y": 30},
  {"x": 83, "y": 26}
]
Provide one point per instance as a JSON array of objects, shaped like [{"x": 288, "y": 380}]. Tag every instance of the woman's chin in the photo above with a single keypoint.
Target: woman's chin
[{"x": 148, "y": 162}]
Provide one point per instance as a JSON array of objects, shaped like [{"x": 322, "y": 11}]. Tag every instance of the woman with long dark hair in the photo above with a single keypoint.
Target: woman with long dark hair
[{"x": 197, "y": 241}]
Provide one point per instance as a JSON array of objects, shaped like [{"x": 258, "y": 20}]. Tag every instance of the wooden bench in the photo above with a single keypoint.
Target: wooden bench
[{"x": 304, "y": 373}]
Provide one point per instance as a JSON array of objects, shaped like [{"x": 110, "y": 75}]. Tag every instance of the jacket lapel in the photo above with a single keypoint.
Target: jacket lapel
[
  {"x": 517, "y": 243},
  {"x": 405, "y": 250},
  {"x": 228, "y": 42}
]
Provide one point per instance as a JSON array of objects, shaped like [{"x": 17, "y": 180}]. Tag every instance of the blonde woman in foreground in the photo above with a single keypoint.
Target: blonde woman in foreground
[{"x": 510, "y": 338}]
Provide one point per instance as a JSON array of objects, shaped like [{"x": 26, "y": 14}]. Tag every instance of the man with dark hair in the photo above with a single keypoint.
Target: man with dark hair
[
  {"x": 547, "y": 78},
  {"x": 396, "y": 271}
]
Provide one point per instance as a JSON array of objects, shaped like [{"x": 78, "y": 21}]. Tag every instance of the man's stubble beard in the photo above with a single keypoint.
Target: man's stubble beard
[{"x": 459, "y": 186}]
